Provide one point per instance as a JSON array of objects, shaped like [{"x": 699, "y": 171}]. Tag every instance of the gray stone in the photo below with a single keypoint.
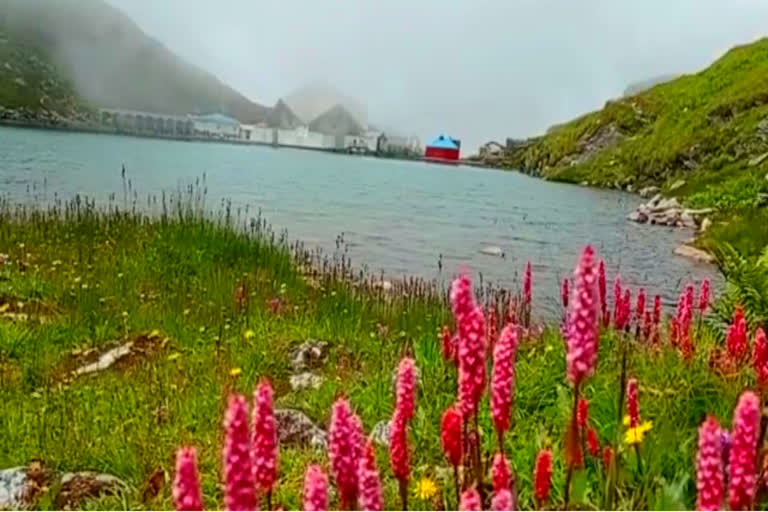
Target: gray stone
[
  {"x": 676, "y": 185},
  {"x": 693, "y": 253},
  {"x": 647, "y": 192},
  {"x": 295, "y": 428},
  {"x": 309, "y": 355},
  {"x": 306, "y": 380},
  {"x": 492, "y": 250},
  {"x": 76, "y": 487},
  {"x": 106, "y": 360},
  {"x": 381, "y": 433},
  {"x": 638, "y": 216},
  {"x": 14, "y": 488},
  {"x": 20, "y": 81},
  {"x": 758, "y": 160},
  {"x": 687, "y": 219},
  {"x": 630, "y": 188},
  {"x": 655, "y": 200}
]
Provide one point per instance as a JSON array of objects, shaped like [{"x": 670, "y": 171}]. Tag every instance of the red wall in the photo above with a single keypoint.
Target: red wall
[{"x": 442, "y": 153}]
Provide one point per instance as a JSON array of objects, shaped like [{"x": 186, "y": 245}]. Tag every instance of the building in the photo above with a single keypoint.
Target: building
[
  {"x": 216, "y": 125},
  {"x": 443, "y": 149},
  {"x": 146, "y": 123}
]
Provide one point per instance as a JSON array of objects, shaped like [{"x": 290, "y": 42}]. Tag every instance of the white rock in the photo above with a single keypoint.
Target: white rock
[
  {"x": 14, "y": 485},
  {"x": 306, "y": 380},
  {"x": 381, "y": 433},
  {"x": 295, "y": 428},
  {"x": 647, "y": 192},
  {"x": 757, "y": 160},
  {"x": 696, "y": 254},
  {"x": 638, "y": 216},
  {"x": 106, "y": 359},
  {"x": 676, "y": 185},
  {"x": 492, "y": 250}
]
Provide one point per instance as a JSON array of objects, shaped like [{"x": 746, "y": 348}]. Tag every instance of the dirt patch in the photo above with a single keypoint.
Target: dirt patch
[
  {"x": 16, "y": 309},
  {"x": 118, "y": 356},
  {"x": 10, "y": 374}
]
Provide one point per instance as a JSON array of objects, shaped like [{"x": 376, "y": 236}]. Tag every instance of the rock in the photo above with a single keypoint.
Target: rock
[
  {"x": 75, "y": 487},
  {"x": 306, "y": 380},
  {"x": 384, "y": 285},
  {"x": 638, "y": 216},
  {"x": 20, "y": 81},
  {"x": 647, "y": 192},
  {"x": 584, "y": 183},
  {"x": 655, "y": 200},
  {"x": 14, "y": 488},
  {"x": 696, "y": 254},
  {"x": 706, "y": 223},
  {"x": 308, "y": 356},
  {"x": 295, "y": 428},
  {"x": 381, "y": 433},
  {"x": 106, "y": 360},
  {"x": 676, "y": 185},
  {"x": 687, "y": 219},
  {"x": 630, "y": 188},
  {"x": 758, "y": 160},
  {"x": 492, "y": 250},
  {"x": 762, "y": 199},
  {"x": 666, "y": 204}
]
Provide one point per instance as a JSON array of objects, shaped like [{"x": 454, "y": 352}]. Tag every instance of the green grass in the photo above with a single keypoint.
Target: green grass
[
  {"x": 99, "y": 278},
  {"x": 702, "y": 128}
]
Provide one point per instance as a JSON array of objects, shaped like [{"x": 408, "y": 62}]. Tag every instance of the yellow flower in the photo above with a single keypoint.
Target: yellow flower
[
  {"x": 637, "y": 434},
  {"x": 234, "y": 372},
  {"x": 154, "y": 334},
  {"x": 426, "y": 488},
  {"x": 249, "y": 334},
  {"x": 626, "y": 420}
]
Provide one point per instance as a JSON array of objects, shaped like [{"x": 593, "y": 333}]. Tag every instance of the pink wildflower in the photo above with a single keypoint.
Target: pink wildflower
[
  {"x": 647, "y": 326},
  {"x": 603, "y": 291},
  {"x": 583, "y": 325},
  {"x": 633, "y": 408},
  {"x": 673, "y": 332},
  {"x": 626, "y": 309},
  {"x": 315, "y": 489},
  {"x": 470, "y": 500},
  {"x": 582, "y": 413},
  {"x": 593, "y": 443},
  {"x": 406, "y": 387},
  {"x": 542, "y": 478},
  {"x": 344, "y": 450},
  {"x": 471, "y": 361},
  {"x": 709, "y": 467},
  {"x": 449, "y": 346},
  {"x": 742, "y": 462},
  {"x": 502, "y": 500},
  {"x": 462, "y": 298},
  {"x": 760, "y": 358},
  {"x": 450, "y": 435},
  {"x": 704, "y": 296},
  {"x": 503, "y": 378},
  {"x": 657, "y": 310},
  {"x": 186, "y": 482},
  {"x": 369, "y": 481},
  {"x": 564, "y": 293},
  {"x": 640, "y": 309},
  {"x": 617, "y": 303},
  {"x": 736, "y": 339},
  {"x": 264, "y": 447},
  {"x": 500, "y": 474},
  {"x": 239, "y": 491},
  {"x": 492, "y": 329},
  {"x": 398, "y": 449},
  {"x": 527, "y": 284}
]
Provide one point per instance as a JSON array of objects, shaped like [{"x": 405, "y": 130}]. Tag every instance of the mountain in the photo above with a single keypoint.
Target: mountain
[
  {"x": 281, "y": 116},
  {"x": 315, "y": 99},
  {"x": 702, "y": 138},
  {"x": 336, "y": 121},
  {"x": 644, "y": 85},
  {"x": 92, "y": 48}
]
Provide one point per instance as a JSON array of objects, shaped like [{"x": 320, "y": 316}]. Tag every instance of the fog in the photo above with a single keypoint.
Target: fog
[{"x": 479, "y": 70}]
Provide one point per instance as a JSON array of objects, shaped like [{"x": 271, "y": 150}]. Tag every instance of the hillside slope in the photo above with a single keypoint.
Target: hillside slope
[
  {"x": 93, "y": 48},
  {"x": 706, "y": 134}
]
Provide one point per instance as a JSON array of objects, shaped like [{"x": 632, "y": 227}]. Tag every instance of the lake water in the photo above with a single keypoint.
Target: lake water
[{"x": 397, "y": 217}]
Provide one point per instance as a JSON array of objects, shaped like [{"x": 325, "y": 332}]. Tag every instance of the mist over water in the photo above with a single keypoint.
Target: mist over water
[{"x": 396, "y": 217}]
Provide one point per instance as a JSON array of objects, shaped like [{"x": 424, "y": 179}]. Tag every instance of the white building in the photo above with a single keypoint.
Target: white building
[
  {"x": 216, "y": 125},
  {"x": 258, "y": 133}
]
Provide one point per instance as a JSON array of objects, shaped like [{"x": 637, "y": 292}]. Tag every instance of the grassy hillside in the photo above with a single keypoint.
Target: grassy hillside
[
  {"x": 99, "y": 52},
  {"x": 709, "y": 129}
]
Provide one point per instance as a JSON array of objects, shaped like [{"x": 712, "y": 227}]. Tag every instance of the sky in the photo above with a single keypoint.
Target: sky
[{"x": 478, "y": 70}]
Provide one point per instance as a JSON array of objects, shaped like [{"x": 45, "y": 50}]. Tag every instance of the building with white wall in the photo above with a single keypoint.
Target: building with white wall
[{"x": 216, "y": 125}]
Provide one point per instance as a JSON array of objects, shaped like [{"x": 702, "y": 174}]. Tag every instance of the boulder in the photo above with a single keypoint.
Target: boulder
[
  {"x": 306, "y": 380},
  {"x": 639, "y": 216},
  {"x": 647, "y": 192},
  {"x": 676, "y": 185},
  {"x": 492, "y": 250},
  {"x": 757, "y": 160},
  {"x": 381, "y": 433},
  {"x": 76, "y": 487},
  {"x": 295, "y": 428},
  {"x": 309, "y": 355},
  {"x": 14, "y": 488},
  {"x": 693, "y": 253}
]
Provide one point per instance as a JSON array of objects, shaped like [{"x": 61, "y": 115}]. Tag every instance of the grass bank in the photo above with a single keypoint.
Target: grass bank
[{"x": 227, "y": 301}]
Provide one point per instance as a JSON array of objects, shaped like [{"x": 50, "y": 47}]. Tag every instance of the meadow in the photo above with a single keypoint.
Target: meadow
[{"x": 214, "y": 304}]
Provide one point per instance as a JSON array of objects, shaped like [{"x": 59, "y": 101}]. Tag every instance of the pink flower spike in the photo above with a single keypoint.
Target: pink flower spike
[
  {"x": 240, "y": 489},
  {"x": 370, "y": 483},
  {"x": 742, "y": 464},
  {"x": 583, "y": 324},
  {"x": 406, "y": 387},
  {"x": 582, "y": 413},
  {"x": 264, "y": 446},
  {"x": 449, "y": 350},
  {"x": 527, "y": 284},
  {"x": 633, "y": 408},
  {"x": 603, "y": 291},
  {"x": 709, "y": 467},
  {"x": 564, "y": 293},
  {"x": 471, "y": 361},
  {"x": 503, "y": 378},
  {"x": 618, "y": 302},
  {"x": 450, "y": 435},
  {"x": 704, "y": 296},
  {"x": 500, "y": 474},
  {"x": 657, "y": 310},
  {"x": 345, "y": 450},
  {"x": 626, "y": 309},
  {"x": 186, "y": 482},
  {"x": 542, "y": 476},
  {"x": 640, "y": 310},
  {"x": 315, "y": 489},
  {"x": 760, "y": 358},
  {"x": 470, "y": 500},
  {"x": 462, "y": 298},
  {"x": 502, "y": 500},
  {"x": 398, "y": 448}
]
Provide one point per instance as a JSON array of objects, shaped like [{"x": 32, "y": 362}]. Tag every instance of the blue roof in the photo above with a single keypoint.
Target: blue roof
[{"x": 445, "y": 142}]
